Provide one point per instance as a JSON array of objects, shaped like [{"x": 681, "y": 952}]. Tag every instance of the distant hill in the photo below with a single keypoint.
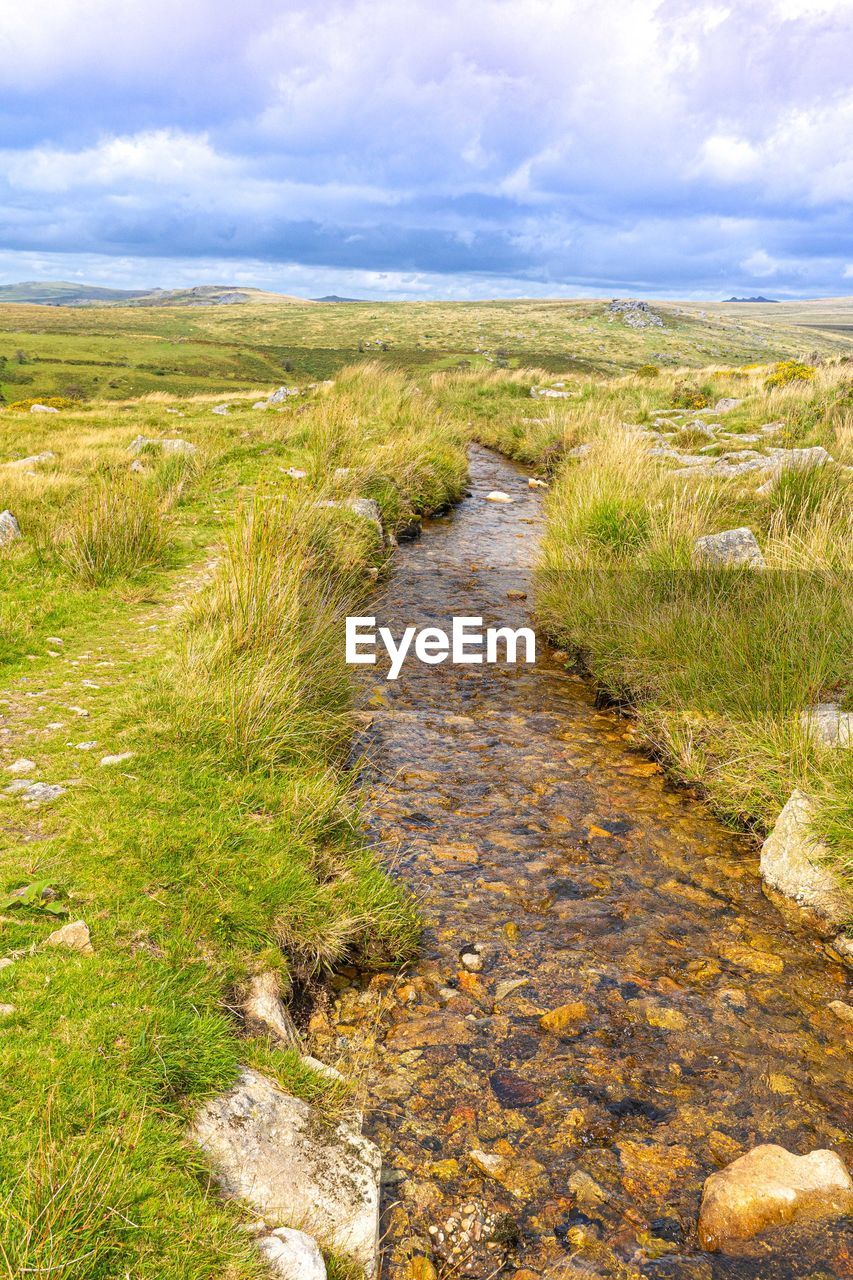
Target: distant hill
[
  {"x": 334, "y": 297},
  {"x": 758, "y": 299},
  {"x": 60, "y": 293}
]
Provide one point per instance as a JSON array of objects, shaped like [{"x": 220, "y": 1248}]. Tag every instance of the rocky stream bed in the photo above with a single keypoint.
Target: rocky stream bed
[{"x": 606, "y": 1008}]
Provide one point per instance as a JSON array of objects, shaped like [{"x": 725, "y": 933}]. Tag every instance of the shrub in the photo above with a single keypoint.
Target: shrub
[
  {"x": 648, "y": 371},
  {"x": 687, "y": 397},
  {"x": 52, "y": 402},
  {"x": 788, "y": 371}
]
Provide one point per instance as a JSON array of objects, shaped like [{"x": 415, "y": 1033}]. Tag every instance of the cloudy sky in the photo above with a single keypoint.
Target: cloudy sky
[{"x": 409, "y": 148}]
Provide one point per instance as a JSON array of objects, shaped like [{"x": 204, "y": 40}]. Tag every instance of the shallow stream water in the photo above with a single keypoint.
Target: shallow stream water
[{"x": 529, "y": 825}]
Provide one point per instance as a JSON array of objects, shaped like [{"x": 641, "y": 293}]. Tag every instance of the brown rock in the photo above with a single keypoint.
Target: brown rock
[
  {"x": 417, "y": 1033},
  {"x": 770, "y": 1187},
  {"x": 74, "y": 936}
]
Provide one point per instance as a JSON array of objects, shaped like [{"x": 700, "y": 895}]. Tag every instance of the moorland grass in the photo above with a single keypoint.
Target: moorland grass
[
  {"x": 230, "y": 842},
  {"x": 717, "y": 665}
]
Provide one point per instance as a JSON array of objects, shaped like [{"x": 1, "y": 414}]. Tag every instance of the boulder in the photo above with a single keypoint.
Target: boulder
[
  {"x": 802, "y": 459},
  {"x": 275, "y": 1152},
  {"x": 828, "y": 724},
  {"x": 166, "y": 446},
  {"x": 731, "y": 548},
  {"x": 282, "y": 394},
  {"x": 726, "y": 404},
  {"x": 794, "y": 864},
  {"x": 770, "y": 1187},
  {"x": 293, "y": 1255},
  {"x": 9, "y": 528},
  {"x": 43, "y": 408},
  {"x": 221, "y": 409}
]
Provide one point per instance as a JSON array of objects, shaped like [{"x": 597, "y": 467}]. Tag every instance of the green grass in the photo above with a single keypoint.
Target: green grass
[{"x": 230, "y": 842}]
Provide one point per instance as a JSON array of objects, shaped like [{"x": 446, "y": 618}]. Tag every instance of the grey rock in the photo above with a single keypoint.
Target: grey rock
[
  {"x": 35, "y": 793},
  {"x": 32, "y": 461},
  {"x": 829, "y": 724},
  {"x": 549, "y": 393},
  {"x": 731, "y": 548},
  {"x": 274, "y": 1152},
  {"x": 726, "y": 404},
  {"x": 10, "y": 530},
  {"x": 221, "y": 409},
  {"x": 282, "y": 394},
  {"x": 43, "y": 408},
  {"x": 21, "y": 766},
  {"x": 293, "y": 1255},
  {"x": 795, "y": 864},
  {"x": 165, "y": 445}
]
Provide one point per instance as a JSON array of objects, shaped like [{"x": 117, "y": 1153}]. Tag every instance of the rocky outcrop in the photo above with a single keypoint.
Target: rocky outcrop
[
  {"x": 794, "y": 864},
  {"x": 276, "y": 1153},
  {"x": 10, "y": 530},
  {"x": 770, "y": 1187},
  {"x": 733, "y": 547}
]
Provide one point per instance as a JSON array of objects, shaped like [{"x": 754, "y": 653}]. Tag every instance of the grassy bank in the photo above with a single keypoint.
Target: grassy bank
[
  {"x": 717, "y": 665},
  {"x": 229, "y": 841}
]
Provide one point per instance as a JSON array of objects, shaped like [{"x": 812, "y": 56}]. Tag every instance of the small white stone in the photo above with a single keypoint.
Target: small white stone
[
  {"x": 497, "y": 495},
  {"x": 117, "y": 759},
  {"x": 293, "y": 1255}
]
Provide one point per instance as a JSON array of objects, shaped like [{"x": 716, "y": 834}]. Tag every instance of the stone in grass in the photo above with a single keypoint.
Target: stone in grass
[
  {"x": 732, "y": 548},
  {"x": 771, "y": 1187},
  {"x": 74, "y": 936},
  {"x": 276, "y": 1153},
  {"x": 21, "y": 766},
  {"x": 279, "y": 396},
  {"x": 829, "y": 724},
  {"x": 10, "y": 530},
  {"x": 293, "y": 1255},
  {"x": 166, "y": 446},
  {"x": 20, "y": 464},
  {"x": 794, "y": 864},
  {"x": 35, "y": 793},
  {"x": 117, "y": 759},
  {"x": 43, "y": 408},
  {"x": 221, "y": 409},
  {"x": 726, "y": 404},
  {"x": 264, "y": 1012}
]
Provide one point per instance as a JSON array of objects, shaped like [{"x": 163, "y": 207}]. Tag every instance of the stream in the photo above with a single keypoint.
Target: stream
[{"x": 695, "y": 1021}]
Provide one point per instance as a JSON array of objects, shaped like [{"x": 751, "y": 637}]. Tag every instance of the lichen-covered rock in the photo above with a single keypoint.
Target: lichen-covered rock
[
  {"x": 829, "y": 724},
  {"x": 275, "y": 1152},
  {"x": 731, "y": 548},
  {"x": 726, "y": 404},
  {"x": 794, "y": 864},
  {"x": 293, "y": 1255},
  {"x": 34, "y": 459},
  {"x": 282, "y": 394},
  {"x": 10, "y": 530},
  {"x": 770, "y": 1187}
]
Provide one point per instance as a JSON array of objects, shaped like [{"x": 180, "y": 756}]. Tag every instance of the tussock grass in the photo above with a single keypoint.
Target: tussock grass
[{"x": 116, "y": 528}]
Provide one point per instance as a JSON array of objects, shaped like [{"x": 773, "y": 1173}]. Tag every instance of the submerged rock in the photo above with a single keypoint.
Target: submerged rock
[
  {"x": 770, "y": 1187},
  {"x": 794, "y": 864},
  {"x": 276, "y": 1153},
  {"x": 497, "y": 495},
  {"x": 732, "y": 547}
]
